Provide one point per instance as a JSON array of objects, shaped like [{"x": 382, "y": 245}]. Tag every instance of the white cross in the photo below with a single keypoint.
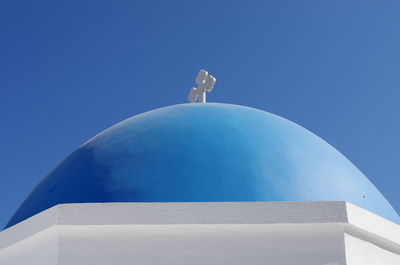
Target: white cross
[{"x": 205, "y": 83}]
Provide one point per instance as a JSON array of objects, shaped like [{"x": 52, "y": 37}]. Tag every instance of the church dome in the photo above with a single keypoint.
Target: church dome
[{"x": 205, "y": 153}]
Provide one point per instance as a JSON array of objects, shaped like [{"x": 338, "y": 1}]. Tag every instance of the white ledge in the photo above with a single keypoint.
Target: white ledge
[{"x": 352, "y": 219}]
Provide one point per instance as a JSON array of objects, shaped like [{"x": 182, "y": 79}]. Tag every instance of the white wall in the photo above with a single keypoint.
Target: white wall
[
  {"x": 361, "y": 252},
  {"x": 38, "y": 249},
  {"x": 202, "y": 244},
  {"x": 245, "y": 233}
]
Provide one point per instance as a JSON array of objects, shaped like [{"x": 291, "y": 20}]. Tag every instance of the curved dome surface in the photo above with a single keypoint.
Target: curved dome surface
[{"x": 205, "y": 152}]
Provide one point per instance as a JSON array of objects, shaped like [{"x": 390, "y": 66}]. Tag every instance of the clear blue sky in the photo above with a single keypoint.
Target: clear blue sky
[{"x": 70, "y": 69}]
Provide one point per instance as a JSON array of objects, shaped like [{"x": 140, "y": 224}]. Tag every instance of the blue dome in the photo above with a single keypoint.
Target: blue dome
[{"x": 202, "y": 153}]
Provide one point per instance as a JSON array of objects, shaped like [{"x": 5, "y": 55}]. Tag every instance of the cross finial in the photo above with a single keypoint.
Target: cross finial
[{"x": 205, "y": 84}]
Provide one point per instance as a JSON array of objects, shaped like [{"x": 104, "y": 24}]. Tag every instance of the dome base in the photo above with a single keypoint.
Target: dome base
[{"x": 280, "y": 233}]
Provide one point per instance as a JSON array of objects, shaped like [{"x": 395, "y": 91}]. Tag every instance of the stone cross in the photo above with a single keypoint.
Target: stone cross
[{"x": 205, "y": 84}]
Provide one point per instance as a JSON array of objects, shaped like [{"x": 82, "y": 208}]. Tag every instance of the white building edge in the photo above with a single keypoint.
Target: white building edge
[{"x": 309, "y": 233}]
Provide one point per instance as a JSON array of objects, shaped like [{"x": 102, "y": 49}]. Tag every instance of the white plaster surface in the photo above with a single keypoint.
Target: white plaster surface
[
  {"x": 40, "y": 248},
  {"x": 309, "y": 233},
  {"x": 363, "y": 252},
  {"x": 204, "y": 244}
]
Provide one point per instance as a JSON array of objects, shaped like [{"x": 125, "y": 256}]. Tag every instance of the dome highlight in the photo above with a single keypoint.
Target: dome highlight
[{"x": 205, "y": 153}]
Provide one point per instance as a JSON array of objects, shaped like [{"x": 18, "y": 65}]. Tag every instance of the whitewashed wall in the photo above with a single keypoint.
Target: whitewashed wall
[{"x": 310, "y": 233}]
